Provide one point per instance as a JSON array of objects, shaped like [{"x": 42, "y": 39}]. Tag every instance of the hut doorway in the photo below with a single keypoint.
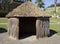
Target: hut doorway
[{"x": 27, "y": 26}]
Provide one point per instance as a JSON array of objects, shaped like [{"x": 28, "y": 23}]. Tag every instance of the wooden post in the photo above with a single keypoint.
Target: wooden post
[
  {"x": 42, "y": 27},
  {"x": 13, "y": 28}
]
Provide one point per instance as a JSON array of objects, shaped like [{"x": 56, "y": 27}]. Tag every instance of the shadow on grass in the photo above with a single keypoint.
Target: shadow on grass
[
  {"x": 52, "y": 32},
  {"x": 3, "y": 30}
]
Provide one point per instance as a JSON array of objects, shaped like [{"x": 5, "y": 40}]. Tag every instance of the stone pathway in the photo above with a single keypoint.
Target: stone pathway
[{"x": 4, "y": 39}]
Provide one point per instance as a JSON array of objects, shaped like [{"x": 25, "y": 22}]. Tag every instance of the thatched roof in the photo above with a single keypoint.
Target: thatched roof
[{"x": 27, "y": 9}]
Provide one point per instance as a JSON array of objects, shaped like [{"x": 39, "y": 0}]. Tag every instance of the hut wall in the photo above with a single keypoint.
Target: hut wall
[
  {"x": 29, "y": 25},
  {"x": 42, "y": 27},
  {"x": 13, "y": 27}
]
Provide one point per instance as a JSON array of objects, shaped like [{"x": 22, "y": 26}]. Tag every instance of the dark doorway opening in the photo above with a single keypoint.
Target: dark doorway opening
[{"x": 27, "y": 27}]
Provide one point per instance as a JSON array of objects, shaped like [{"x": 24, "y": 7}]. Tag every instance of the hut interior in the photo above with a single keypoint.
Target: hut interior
[{"x": 27, "y": 26}]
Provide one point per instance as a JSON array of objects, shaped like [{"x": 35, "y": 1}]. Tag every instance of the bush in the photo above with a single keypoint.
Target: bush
[{"x": 2, "y": 14}]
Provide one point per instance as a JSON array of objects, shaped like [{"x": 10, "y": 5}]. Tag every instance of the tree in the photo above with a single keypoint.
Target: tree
[
  {"x": 22, "y": 0},
  {"x": 6, "y": 3},
  {"x": 55, "y": 1},
  {"x": 11, "y": 1},
  {"x": 40, "y": 3},
  {"x": 28, "y": 0},
  {"x": 52, "y": 5}
]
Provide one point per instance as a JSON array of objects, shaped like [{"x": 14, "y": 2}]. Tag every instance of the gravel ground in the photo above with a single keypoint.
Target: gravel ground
[{"x": 4, "y": 39}]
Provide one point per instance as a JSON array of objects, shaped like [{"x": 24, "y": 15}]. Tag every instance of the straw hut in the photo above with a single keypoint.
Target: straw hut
[{"x": 26, "y": 18}]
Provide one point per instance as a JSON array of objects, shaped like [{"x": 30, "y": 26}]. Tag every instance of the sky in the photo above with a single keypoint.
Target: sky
[{"x": 48, "y": 2}]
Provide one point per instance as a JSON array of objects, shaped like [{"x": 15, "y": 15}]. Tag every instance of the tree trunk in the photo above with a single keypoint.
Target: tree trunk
[
  {"x": 55, "y": 8},
  {"x": 13, "y": 28}
]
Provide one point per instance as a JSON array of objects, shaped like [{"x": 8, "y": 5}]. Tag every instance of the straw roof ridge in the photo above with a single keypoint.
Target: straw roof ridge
[{"x": 27, "y": 9}]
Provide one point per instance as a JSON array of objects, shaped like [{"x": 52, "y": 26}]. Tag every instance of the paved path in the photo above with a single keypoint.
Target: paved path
[{"x": 4, "y": 39}]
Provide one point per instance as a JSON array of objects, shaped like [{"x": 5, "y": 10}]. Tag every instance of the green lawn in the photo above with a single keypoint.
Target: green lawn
[
  {"x": 54, "y": 26},
  {"x": 51, "y": 11},
  {"x": 55, "y": 19},
  {"x": 3, "y": 26},
  {"x": 3, "y": 23},
  {"x": 3, "y": 20}
]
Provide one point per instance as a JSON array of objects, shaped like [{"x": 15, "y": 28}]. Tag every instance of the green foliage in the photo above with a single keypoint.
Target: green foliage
[
  {"x": 22, "y": 0},
  {"x": 40, "y": 3},
  {"x": 58, "y": 4},
  {"x": 29, "y": 0},
  {"x": 6, "y": 1},
  {"x": 2, "y": 14},
  {"x": 51, "y": 11}
]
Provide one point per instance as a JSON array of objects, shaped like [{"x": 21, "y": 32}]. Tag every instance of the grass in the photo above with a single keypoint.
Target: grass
[
  {"x": 3, "y": 20},
  {"x": 3, "y": 26},
  {"x": 55, "y": 19},
  {"x": 51, "y": 11},
  {"x": 55, "y": 27}
]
